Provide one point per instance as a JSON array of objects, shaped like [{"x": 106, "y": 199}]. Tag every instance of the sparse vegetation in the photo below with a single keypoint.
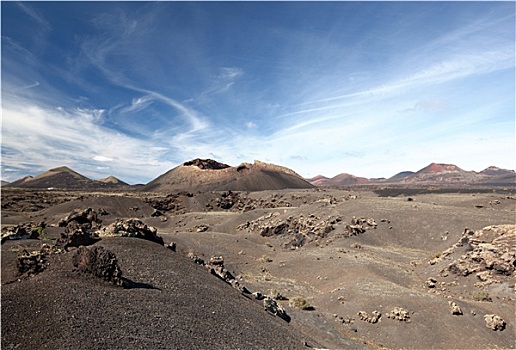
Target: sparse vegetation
[
  {"x": 300, "y": 303},
  {"x": 481, "y": 296}
]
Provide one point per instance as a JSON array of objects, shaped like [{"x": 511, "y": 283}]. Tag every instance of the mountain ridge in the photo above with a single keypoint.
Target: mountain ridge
[
  {"x": 208, "y": 174},
  {"x": 64, "y": 177},
  {"x": 433, "y": 173}
]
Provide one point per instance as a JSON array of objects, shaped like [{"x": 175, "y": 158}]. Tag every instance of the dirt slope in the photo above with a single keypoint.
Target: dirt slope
[{"x": 175, "y": 304}]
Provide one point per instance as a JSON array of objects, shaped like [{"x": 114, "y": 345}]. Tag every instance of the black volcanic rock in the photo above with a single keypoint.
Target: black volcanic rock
[{"x": 206, "y": 164}]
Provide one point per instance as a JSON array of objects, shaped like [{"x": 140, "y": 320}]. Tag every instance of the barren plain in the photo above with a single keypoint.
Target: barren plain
[{"x": 393, "y": 267}]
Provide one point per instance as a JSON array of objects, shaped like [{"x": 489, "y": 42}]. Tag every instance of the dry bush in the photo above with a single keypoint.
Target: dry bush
[{"x": 300, "y": 303}]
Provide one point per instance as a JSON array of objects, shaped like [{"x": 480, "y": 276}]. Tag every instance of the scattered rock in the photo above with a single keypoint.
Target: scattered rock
[
  {"x": 31, "y": 262},
  {"x": 156, "y": 213},
  {"x": 217, "y": 261},
  {"x": 494, "y": 322},
  {"x": 76, "y": 238},
  {"x": 196, "y": 259},
  {"x": 81, "y": 219},
  {"x": 455, "y": 309},
  {"x": 201, "y": 228},
  {"x": 258, "y": 296},
  {"x": 430, "y": 283},
  {"x": 491, "y": 253},
  {"x": 373, "y": 318},
  {"x": 300, "y": 229},
  {"x": 131, "y": 228},
  {"x": 170, "y": 203},
  {"x": 235, "y": 201},
  {"x": 27, "y": 230},
  {"x": 79, "y": 226},
  {"x": 98, "y": 262},
  {"x": 35, "y": 261},
  {"x": 274, "y": 308},
  {"x": 399, "y": 314},
  {"x": 227, "y": 200},
  {"x": 216, "y": 267}
]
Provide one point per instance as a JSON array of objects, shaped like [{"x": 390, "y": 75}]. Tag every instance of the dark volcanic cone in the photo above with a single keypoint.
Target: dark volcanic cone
[{"x": 209, "y": 175}]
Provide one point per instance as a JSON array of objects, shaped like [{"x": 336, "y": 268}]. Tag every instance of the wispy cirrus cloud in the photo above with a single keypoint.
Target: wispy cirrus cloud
[
  {"x": 35, "y": 136},
  {"x": 155, "y": 84},
  {"x": 34, "y": 14}
]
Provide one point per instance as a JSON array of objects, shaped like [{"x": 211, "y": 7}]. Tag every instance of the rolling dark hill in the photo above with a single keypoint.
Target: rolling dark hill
[{"x": 173, "y": 304}]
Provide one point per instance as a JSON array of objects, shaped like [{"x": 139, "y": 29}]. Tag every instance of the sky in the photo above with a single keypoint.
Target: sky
[{"x": 133, "y": 89}]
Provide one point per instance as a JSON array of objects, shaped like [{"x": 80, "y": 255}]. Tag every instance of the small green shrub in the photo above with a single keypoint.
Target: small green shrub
[{"x": 37, "y": 230}]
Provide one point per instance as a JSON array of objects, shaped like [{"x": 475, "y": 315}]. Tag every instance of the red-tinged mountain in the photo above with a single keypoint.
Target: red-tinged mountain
[
  {"x": 339, "y": 180},
  {"x": 319, "y": 180},
  {"x": 442, "y": 173},
  {"x": 210, "y": 175},
  {"x": 348, "y": 179}
]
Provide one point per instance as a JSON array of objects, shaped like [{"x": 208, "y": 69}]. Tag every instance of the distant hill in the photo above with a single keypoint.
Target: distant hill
[
  {"x": 495, "y": 171},
  {"x": 438, "y": 173},
  {"x": 210, "y": 175},
  {"x": 400, "y": 176},
  {"x": 66, "y": 178},
  {"x": 317, "y": 179},
  {"x": 113, "y": 180},
  {"x": 338, "y": 180},
  {"x": 62, "y": 177},
  {"x": 494, "y": 175},
  {"x": 442, "y": 173}
]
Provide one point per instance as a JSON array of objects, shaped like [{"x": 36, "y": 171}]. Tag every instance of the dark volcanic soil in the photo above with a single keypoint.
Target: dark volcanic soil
[
  {"x": 173, "y": 304},
  {"x": 345, "y": 254}
]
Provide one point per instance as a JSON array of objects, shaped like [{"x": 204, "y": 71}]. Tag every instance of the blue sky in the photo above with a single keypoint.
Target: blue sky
[{"x": 133, "y": 89}]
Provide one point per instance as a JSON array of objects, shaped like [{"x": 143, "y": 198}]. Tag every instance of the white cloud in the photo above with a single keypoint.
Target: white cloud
[
  {"x": 102, "y": 159},
  {"x": 251, "y": 125},
  {"x": 46, "y": 137},
  {"x": 230, "y": 73},
  {"x": 138, "y": 104}
]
